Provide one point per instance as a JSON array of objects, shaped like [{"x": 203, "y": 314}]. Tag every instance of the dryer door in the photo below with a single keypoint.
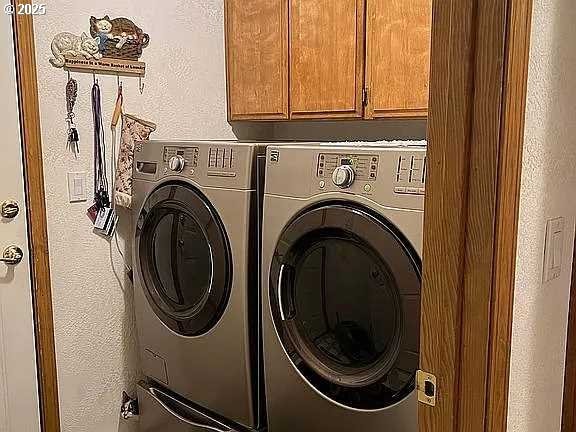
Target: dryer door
[
  {"x": 184, "y": 259},
  {"x": 345, "y": 295}
]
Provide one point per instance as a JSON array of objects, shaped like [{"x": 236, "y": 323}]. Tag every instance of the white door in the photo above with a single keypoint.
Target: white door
[{"x": 19, "y": 410}]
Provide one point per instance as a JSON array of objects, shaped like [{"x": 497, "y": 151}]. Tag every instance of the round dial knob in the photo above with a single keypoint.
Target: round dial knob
[
  {"x": 177, "y": 163},
  {"x": 343, "y": 176}
]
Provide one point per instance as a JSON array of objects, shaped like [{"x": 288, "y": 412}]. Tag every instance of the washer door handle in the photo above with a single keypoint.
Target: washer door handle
[{"x": 284, "y": 268}]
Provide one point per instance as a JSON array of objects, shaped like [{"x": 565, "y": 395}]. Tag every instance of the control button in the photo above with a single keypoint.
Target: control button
[
  {"x": 417, "y": 163},
  {"x": 367, "y": 188},
  {"x": 413, "y": 190},
  {"x": 343, "y": 176},
  {"x": 400, "y": 190},
  {"x": 422, "y": 191},
  {"x": 177, "y": 163},
  {"x": 404, "y": 164},
  {"x": 322, "y": 184}
]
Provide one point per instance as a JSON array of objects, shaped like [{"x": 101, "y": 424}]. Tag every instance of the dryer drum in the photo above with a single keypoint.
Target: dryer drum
[
  {"x": 184, "y": 258},
  {"x": 345, "y": 295}
]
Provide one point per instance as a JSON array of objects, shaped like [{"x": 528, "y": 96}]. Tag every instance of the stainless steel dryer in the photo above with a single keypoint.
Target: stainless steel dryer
[
  {"x": 342, "y": 238},
  {"x": 196, "y": 284}
]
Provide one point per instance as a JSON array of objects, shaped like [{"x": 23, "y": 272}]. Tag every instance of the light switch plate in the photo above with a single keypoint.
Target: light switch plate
[
  {"x": 553, "y": 249},
  {"x": 77, "y": 187}
]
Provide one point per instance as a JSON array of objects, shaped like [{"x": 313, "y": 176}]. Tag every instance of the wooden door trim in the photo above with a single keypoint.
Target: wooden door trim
[
  {"x": 569, "y": 403},
  {"x": 476, "y": 132},
  {"x": 37, "y": 222},
  {"x": 517, "y": 53}
]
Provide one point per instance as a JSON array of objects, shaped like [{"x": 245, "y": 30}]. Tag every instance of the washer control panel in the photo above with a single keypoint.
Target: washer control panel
[
  {"x": 411, "y": 174},
  {"x": 344, "y": 169},
  {"x": 180, "y": 160}
]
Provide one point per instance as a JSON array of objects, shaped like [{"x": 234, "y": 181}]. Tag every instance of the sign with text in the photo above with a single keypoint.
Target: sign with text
[{"x": 109, "y": 66}]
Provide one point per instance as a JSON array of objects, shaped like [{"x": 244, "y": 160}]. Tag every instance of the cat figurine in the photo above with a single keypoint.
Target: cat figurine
[
  {"x": 75, "y": 46},
  {"x": 121, "y": 30}
]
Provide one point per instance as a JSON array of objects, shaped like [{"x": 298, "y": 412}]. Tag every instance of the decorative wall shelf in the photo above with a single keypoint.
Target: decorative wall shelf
[{"x": 106, "y": 66}]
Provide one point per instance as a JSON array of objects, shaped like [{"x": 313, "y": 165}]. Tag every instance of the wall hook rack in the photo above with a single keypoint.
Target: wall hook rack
[{"x": 113, "y": 46}]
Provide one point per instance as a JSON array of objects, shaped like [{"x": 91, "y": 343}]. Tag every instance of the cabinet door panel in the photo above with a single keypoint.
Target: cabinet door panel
[
  {"x": 327, "y": 58},
  {"x": 398, "y": 57},
  {"x": 257, "y": 59}
]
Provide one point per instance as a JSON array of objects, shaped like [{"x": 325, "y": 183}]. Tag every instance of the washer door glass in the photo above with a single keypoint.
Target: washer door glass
[
  {"x": 184, "y": 259},
  {"x": 345, "y": 290}
]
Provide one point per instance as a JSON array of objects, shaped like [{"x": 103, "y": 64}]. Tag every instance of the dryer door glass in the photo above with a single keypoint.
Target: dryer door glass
[
  {"x": 184, "y": 259},
  {"x": 345, "y": 290}
]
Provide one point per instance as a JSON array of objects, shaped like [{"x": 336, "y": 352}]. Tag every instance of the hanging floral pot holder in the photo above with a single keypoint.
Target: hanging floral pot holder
[{"x": 133, "y": 130}]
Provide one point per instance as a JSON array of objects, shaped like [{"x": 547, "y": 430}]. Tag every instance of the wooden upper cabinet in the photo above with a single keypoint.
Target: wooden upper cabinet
[
  {"x": 257, "y": 59},
  {"x": 326, "y": 58},
  {"x": 398, "y": 57}
]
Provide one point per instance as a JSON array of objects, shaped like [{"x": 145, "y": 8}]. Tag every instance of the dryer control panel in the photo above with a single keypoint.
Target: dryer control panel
[
  {"x": 365, "y": 167},
  {"x": 393, "y": 176}
]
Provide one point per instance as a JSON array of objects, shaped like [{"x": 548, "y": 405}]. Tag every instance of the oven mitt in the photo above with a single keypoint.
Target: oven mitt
[{"x": 133, "y": 130}]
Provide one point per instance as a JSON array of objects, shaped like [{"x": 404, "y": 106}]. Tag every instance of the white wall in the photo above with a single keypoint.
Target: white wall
[
  {"x": 548, "y": 191},
  {"x": 185, "y": 95}
]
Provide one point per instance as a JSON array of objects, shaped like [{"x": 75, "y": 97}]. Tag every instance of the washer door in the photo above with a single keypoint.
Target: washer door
[
  {"x": 345, "y": 297},
  {"x": 184, "y": 258}
]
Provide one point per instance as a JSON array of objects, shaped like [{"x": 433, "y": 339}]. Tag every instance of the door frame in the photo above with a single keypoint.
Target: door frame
[
  {"x": 25, "y": 53},
  {"x": 476, "y": 129},
  {"x": 569, "y": 403},
  {"x": 479, "y": 72}
]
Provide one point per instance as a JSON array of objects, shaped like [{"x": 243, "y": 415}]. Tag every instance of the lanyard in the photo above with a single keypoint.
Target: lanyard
[{"x": 101, "y": 192}]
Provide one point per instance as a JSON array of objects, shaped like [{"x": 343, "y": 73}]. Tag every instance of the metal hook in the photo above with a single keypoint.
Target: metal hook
[
  {"x": 69, "y": 77},
  {"x": 140, "y": 85},
  {"x": 94, "y": 77},
  {"x": 119, "y": 83}
]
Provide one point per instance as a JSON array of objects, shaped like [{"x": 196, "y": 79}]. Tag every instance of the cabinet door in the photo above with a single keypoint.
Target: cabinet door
[
  {"x": 326, "y": 58},
  {"x": 257, "y": 59},
  {"x": 398, "y": 57}
]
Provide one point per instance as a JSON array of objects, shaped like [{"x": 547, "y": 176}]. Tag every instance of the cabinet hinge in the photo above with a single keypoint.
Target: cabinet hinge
[
  {"x": 365, "y": 96},
  {"x": 427, "y": 388}
]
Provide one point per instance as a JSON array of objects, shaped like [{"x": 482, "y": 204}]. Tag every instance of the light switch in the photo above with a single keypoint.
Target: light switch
[
  {"x": 77, "y": 186},
  {"x": 553, "y": 249}
]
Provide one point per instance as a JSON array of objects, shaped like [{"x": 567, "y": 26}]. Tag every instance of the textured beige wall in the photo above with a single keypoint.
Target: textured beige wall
[
  {"x": 185, "y": 95},
  {"x": 548, "y": 191}
]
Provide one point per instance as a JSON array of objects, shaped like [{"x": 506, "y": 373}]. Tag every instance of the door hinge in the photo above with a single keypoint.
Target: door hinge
[
  {"x": 365, "y": 95},
  {"x": 426, "y": 385}
]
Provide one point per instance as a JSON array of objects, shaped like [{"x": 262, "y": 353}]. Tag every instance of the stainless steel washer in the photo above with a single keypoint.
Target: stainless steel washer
[
  {"x": 196, "y": 207},
  {"x": 342, "y": 239}
]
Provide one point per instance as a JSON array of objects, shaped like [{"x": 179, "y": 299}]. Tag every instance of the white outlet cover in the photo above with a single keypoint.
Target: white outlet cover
[
  {"x": 553, "y": 249},
  {"x": 77, "y": 187}
]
